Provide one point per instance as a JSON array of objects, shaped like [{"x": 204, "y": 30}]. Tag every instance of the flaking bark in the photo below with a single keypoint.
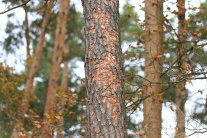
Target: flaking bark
[
  {"x": 103, "y": 69},
  {"x": 153, "y": 68}
]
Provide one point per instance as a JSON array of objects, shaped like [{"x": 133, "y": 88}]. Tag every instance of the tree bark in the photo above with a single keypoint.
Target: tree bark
[
  {"x": 103, "y": 69},
  {"x": 32, "y": 71},
  {"x": 64, "y": 85},
  {"x": 55, "y": 67},
  {"x": 180, "y": 87},
  {"x": 153, "y": 68}
]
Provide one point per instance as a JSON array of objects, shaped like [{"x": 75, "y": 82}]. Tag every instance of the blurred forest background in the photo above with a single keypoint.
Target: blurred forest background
[{"x": 30, "y": 39}]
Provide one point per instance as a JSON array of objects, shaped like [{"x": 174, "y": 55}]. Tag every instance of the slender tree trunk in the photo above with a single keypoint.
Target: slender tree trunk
[
  {"x": 38, "y": 52},
  {"x": 27, "y": 37},
  {"x": 153, "y": 68},
  {"x": 180, "y": 87},
  {"x": 55, "y": 67},
  {"x": 103, "y": 69},
  {"x": 65, "y": 87},
  {"x": 32, "y": 71}
]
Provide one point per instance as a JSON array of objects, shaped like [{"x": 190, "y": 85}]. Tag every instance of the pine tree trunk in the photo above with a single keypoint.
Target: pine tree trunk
[
  {"x": 64, "y": 85},
  {"x": 180, "y": 87},
  {"x": 103, "y": 69},
  {"x": 32, "y": 71},
  {"x": 153, "y": 68},
  {"x": 55, "y": 67}
]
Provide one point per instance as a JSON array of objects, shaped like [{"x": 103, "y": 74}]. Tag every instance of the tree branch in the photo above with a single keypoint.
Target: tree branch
[
  {"x": 23, "y": 4},
  {"x": 197, "y": 132}
]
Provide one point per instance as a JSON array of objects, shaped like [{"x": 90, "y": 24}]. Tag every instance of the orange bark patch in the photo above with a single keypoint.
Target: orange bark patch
[
  {"x": 92, "y": 26},
  {"x": 111, "y": 38},
  {"x": 105, "y": 73},
  {"x": 106, "y": 78},
  {"x": 102, "y": 17},
  {"x": 91, "y": 30},
  {"x": 104, "y": 20}
]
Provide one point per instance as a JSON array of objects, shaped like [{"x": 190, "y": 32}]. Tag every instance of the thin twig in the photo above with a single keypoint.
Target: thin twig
[
  {"x": 197, "y": 132},
  {"x": 23, "y": 4},
  {"x": 190, "y": 49}
]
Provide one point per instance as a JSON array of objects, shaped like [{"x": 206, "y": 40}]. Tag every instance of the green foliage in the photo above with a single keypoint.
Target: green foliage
[
  {"x": 14, "y": 39},
  {"x": 13, "y": 2},
  {"x": 129, "y": 24},
  {"x": 13, "y": 30}
]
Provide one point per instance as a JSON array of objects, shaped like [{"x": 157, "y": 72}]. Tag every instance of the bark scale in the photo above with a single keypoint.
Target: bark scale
[
  {"x": 180, "y": 87},
  {"x": 55, "y": 67},
  {"x": 64, "y": 85},
  {"x": 153, "y": 68},
  {"x": 103, "y": 69},
  {"x": 32, "y": 71}
]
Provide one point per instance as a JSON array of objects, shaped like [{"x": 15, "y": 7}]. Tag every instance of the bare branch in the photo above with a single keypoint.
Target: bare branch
[
  {"x": 23, "y": 4},
  {"x": 190, "y": 49},
  {"x": 197, "y": 132}
]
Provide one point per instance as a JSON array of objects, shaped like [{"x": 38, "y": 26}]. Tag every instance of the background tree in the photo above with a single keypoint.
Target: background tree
[
  {"x": 153, "y": 68},
  {"x": 180, "y": 87},
  {"x": 76, "y": 53},
  {"x": 32, "y": 71},
  {"x": 197, "y": 25},
  {"x": 55, "y": 67},
  {"x": 64, "y": 83}
]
